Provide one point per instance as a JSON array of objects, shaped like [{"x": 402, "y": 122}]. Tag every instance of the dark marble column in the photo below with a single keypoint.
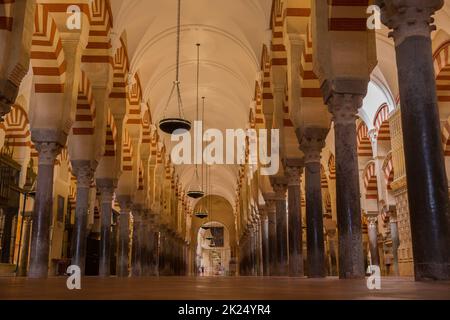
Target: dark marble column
[
  {"x": 43, "y": 209},
  {"x": 123, "y": 249},
  {"x": 294, "y": 169},
  {"x": 83, "y": 171},
  {"x": 264, "y": 221},
  {"x": 344, "y": 98},
  {"x": 412, "y": 24},
  {"x": 6, "y": 236},
  {"x": 136, "y": 264},
  {"x": 279, "y": 185},
  {"x": 395, "y": 239},
  {"x": 272, "y": 223},
  {"x": 153, "y": 247},
  {"x": 312, "y": 141},
  {"x": 145, "y": 254},
  {"x": 106, "y": 188},
  {"x": 373, "y": 239},
  {"x": 25, "y": 248}
]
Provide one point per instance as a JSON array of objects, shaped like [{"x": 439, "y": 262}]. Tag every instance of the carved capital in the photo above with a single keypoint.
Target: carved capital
[
  {"x": 106, "y": 188},
  {"x": 293, "y": 171},
  {"x": 312, "y": 141},
  {"x": 344, "y": 107},
  {"x": 279, "y": 185},
  {"x": 409, "y": 18},
  {"x": 372, "y": 221},
  {"x": 48, "y": 151},
  {"x": 270, "y": 199},
  {"x": 83, "y": 170},
  {"x": 125, "y": 203}
]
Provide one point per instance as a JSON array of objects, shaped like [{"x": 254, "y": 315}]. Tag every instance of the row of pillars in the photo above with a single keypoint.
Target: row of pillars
[
  {"x": 424, "y": 157},
  {"x": 153, "y": 252}
]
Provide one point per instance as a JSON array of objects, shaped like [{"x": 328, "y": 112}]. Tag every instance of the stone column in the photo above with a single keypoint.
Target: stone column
[
  {"x": 6, "y": 236},
  {"x": 412, "y": 24},
  {"x": 123, "y": 250},
  {"x": 280, "y": 188},
  {"x": 272, "y": 225},
  {"x": 395, "y": 239},
  {"x": 84, "y": 173},
  {"x": 24, "y": 251},
  {"x": 43, "y": 209},
  {"x": 106, "y": 188},
  {"x": 312, "y": 141},
  {"x": 344, "y": 98},
  {"x": 136, "y": 263},
  {"x": 373, "y": 239},
  {"x": 265, "y": 241},
  {"x": 294, "y": 169},
  {"x": 145, "y": 256}
]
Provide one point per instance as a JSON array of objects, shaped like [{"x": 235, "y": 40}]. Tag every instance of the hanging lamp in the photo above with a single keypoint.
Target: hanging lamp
[
  {"x": 209, "y": 236},
  {"x": 171, "y": 125},
  {"x": 196, "y": 189}
]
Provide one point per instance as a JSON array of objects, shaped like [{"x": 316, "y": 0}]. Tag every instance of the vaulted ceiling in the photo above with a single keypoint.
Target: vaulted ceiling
[{"x": 231, "y": 34}]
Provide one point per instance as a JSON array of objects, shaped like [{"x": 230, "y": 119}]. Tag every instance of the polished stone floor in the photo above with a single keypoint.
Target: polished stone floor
[{"x": 236, "y": 288}]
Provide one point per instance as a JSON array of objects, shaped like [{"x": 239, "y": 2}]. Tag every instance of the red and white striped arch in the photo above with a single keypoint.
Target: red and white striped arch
[
  {"x": 311, "y": 93},
  {"x": 127, "y": 155},
  {"x": 141, "y": 177},
  {"x": 370, "y": 182},
  {"x": 134, "y": 116},
  {"x": 364, "y": 144},
  {"x": 266, "y": 64},
  {"x": 348, "y": 15},
  {"x": 388, "y": 170},
  {"x": 442, "y": 70},
  {"x": 259, "y": 114},
  {"x": 332, "y": 167},
  {"x": 47, "y": 55},
  {"x": 99, "y": 43},
  {"x": 6, "y": 16},
  {"x": 85, "y": 114},
  {"x": 381, "y": 123},
  {"x": 111, "y": 136},
  {"x": 121, "y": 68},
  {"x": 323, "y": 178},
  {"x": 146, "y": 127},
  {"x": 17, "y": 128}
]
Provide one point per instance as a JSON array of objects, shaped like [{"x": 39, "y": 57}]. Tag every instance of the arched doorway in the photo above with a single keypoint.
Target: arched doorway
[{"x": 213, "y": 250}]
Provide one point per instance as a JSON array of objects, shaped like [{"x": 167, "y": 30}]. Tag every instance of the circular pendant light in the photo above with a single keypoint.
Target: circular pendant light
[
  {"x": 202, "y": 214},
  {"x": 196, "y": 188},
  {"x": 176, "y": 125}
]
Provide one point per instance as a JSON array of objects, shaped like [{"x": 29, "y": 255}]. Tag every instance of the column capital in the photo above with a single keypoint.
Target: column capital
[
  {"x": 48, "y": 151},
  {"x": 409, "y": 18},
  {"x": 125, "y": 203},
  {"x": 344, "y": 107},
  {"x": 83, "y": 170},
  {"x": 312, "y": 141},
  {"x": 270, "y": 199},
  {"x": 279, "y": 185},
  {"x": 293, "y": 170},
  {"x": 106, "y": 188},
  {"x": 372, "y": 220}
]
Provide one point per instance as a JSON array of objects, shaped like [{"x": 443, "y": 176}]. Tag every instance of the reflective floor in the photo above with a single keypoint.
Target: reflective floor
[{"x": 236, "y": 288}]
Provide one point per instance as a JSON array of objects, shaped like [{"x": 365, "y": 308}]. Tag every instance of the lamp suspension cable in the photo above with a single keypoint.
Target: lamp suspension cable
[{"x": 170, "y": 125}]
